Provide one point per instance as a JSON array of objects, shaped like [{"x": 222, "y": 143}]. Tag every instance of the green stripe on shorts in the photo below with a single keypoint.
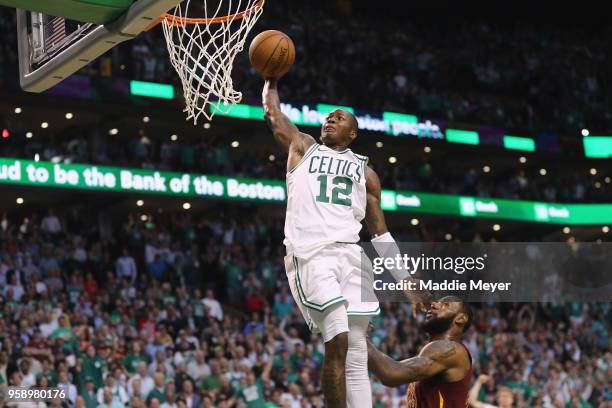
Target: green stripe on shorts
[{"x": 307, "y": 303}]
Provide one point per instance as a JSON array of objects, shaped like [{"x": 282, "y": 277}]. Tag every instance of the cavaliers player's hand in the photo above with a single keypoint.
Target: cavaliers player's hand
[
  {"x": 420, "y": 299},
  {"x": 418, "y": 307}
]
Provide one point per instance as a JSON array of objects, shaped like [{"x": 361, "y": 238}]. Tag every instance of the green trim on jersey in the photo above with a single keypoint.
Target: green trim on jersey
[
  {"x": 364, "y": 161},
  {"x": 308, "y": 153},
  {"x": 305, "y": 302},
  {"x": 338, "y": 151},
  {"x": 348, "y": 149}
]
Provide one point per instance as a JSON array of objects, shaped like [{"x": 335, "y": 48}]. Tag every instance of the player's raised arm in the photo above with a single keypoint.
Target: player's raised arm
[
  {"x": 436, "y": 357},
  {"x": 285, "y": 132}
]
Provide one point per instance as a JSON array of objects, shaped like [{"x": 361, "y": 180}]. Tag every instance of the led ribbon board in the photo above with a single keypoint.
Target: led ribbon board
[
  {"x": 599, "y": 147},
  {"x": 392, "y": 123},
  {"x": 396, "y": 124},
  {"x": 115, "y": 179},
  {"x": 104, "y": 178},
  {"x": 151, "y": 89}
]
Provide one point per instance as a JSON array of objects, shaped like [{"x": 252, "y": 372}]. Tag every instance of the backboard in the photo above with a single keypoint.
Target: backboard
[{"x": 57, "y": 38}]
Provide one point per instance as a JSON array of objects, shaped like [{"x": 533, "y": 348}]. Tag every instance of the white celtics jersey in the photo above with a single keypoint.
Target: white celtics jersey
[{"x": 326, "y": 199}]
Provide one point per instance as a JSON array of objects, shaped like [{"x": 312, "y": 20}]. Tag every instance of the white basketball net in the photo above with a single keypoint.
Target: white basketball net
[{"x": 203, "y": 53}]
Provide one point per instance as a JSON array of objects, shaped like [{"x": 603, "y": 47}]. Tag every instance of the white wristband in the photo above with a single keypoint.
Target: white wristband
[{"x": 386, "y": 247}]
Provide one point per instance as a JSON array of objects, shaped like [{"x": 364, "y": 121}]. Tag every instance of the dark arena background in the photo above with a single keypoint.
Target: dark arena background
[{"x": 141, "y": 257}]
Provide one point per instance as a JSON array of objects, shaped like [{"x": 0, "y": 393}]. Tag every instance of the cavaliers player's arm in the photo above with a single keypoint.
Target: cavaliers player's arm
[
  {"x": 383, "y": 242},
  {"x": 435, "y": 358},
  {"x": 286, "y": 133}
]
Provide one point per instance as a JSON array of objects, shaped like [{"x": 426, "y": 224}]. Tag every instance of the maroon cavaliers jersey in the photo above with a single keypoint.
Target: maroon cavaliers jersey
[{"x": 434, "y": 392}]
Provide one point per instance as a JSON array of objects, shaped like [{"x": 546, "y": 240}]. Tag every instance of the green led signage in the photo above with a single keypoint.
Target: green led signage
[
  {"x": 519, "y": 143},
  {"x": 151, "y": 89},
  {"x": 240, "y": 111},
  {"x": 393, "y": 123},
  {"x": 325, "y": 109},
  {"x": 442, "y": 204},
  {"x": 462, "y": 136},
  {"x": 599, "y": 147},
  {"x": 104, "y": 178}
]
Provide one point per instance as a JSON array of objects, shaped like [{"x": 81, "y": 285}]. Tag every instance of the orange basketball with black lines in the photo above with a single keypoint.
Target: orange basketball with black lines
[{"x": 272, "y": 53}]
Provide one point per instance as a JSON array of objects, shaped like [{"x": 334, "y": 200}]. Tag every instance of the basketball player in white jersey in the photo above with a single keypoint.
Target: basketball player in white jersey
[{"x": 330, "y": 191}]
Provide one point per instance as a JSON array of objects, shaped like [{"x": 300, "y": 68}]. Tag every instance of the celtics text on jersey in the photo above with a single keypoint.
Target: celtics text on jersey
[{"x": 326, "y": 199}]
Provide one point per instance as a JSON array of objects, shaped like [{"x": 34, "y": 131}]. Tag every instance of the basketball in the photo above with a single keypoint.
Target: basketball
[{"x": 272, "y": 53}]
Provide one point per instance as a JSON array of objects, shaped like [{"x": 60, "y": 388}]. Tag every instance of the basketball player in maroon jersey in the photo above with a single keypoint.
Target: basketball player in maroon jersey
[{"x": 440, "y": 375}]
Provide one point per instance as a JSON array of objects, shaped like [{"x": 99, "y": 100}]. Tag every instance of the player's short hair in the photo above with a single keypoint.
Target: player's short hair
[
  {"x": 355, "y": 121},
  {"x": 466, "y": 308}
]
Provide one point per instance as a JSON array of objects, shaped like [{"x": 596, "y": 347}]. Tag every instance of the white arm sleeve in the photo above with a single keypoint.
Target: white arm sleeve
[{"x": 386, "y": 247}]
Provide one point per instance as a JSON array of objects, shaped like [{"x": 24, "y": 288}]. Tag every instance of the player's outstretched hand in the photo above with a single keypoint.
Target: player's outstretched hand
[
  {"x": 418, "y": 307},
  {"x": 420, "y": 299}
]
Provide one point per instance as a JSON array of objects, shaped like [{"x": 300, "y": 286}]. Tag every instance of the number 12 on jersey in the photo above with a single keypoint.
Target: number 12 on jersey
[{"x": 342, "y": 187}]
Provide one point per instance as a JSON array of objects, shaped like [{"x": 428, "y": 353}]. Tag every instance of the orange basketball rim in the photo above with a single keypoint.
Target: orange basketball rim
[{"x": 177, "y": 21}]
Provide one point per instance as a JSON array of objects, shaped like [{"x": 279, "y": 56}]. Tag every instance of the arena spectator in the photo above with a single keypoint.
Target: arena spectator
[
  {"x": 70, "y": 389},
  {"x": 50, "y": 224},
  {"x": 126, "y": 267},
  {"x": 212, "y": 305}
]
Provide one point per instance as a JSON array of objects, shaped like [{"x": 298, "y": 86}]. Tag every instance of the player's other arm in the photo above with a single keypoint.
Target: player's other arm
[
  {"x": 285, "y": 132},
  {"x": 374, "y": 217},
  {"x": 382, "y": 241},
  {"x": 436, "y": 357}
]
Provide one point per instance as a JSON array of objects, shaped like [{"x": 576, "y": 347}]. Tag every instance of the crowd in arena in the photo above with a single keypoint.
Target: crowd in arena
[
  {"x": 193, "y": 310},
  {"x": 180, "y": 310},
  {"x": 522, "y": 75}
]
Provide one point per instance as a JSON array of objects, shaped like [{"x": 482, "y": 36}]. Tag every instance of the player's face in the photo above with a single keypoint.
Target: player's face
[
  {"x": 338, "y": 129},
  {"x": 440, "y": 316},
  {"x": 443, "y": 307}
]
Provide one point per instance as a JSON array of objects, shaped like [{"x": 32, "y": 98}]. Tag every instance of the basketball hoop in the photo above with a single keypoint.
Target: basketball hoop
[{"x": 202, "y": 50}]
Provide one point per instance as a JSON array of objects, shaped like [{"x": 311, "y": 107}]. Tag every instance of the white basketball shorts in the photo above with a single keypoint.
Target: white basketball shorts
[{"x": 331, "y": 276}]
